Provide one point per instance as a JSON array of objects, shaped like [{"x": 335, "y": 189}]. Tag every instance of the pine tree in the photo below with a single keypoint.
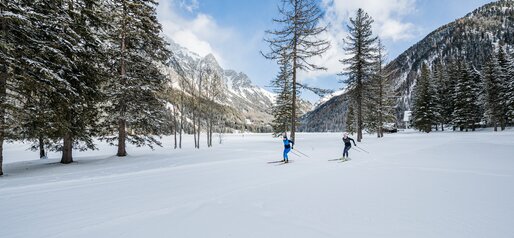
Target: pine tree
[
  {"x": 282, "y": 86},
  {"x": 15, "y": 36},
  {"x": 492, "y": 87},
  {"x": 47, "y": 44},
  {"x": 360, "y": 47},
  {"x": 444, "y": 88},
  {"x": 423, "y": 114},
  {"x": 349, "y": 119},
  {"x": 379, "y": 97},
  {"x": 510, "y": 90},
  {"x": 439, "y": 86},
  {"x": 79, "y": 114},
  {"x": 453, "y": 69},
  {"x": 134, "y": 111},
  {"x": 504, "y": 70},
  {"x": 467, "y": 110},
  {"x": 298, "y": 37}
]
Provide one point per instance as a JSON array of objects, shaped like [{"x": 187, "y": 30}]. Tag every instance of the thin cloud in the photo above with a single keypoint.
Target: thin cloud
[
  {"x": 390, "y": 24},
  {"x": 189, "y": 5},
  {"x": 197, "y": 34}
]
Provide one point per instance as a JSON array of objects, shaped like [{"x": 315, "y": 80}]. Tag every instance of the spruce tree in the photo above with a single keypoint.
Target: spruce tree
[
  {"x": 379, "y": 97},
  {"x": 423, "y": 114},
  {"x": 467, "y": 109},
  {"x": 445, "y": 77},
  {"x": 78, "y": 114},
  {"x": 492, "y": 87},
  {"x": 453, "y": 71},
  {"x": 439, "y": 78},
  {"x": 350, "y": 119},
  {"x": 282, "y": 86},
  {"x": 504, "y": 69},
  {"x": 134, "y": 112},
  {"x": 14, "y": 40},
  {"x": 299, "y": 38},
  {"x": 510, "y": 90},
  {"x": 62, "y": 70},
  {"x": 360, "y": 65}
]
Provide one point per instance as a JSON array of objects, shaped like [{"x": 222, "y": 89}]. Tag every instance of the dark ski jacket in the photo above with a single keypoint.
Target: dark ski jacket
[
  {"x": 288, "y": 143},
  {"x": 347, "y": 141}
]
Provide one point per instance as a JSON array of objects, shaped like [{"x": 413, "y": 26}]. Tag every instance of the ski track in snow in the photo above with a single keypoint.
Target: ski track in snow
[{"x": 444, "y": 184}]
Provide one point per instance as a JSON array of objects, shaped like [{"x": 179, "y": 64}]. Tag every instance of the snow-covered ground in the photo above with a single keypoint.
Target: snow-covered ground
[{"x": 409, "y": 185}]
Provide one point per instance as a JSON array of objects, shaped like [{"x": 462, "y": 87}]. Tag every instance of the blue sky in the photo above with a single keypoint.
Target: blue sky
[{"x": 233, "y": 30}]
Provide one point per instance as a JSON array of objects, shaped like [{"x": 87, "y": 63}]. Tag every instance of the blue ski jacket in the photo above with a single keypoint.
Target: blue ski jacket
[{"x": 288, "y": 143}]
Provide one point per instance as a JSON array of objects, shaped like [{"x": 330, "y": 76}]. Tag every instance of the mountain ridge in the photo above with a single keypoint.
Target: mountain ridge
[{"x": 472, "y": 38}]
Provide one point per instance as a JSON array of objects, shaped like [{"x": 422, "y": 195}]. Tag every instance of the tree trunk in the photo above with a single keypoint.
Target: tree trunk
[
  {"x": 122, "y": 127},
  {"x": 194, "y": 130},
  {"x": 181, "y": 130},
  {"x": 41, "y": 147},
  {"x": 1, "y": 152},
  {"x": 198, "y": 131},
  {"x": 3, "y": 99},
  {"x": 209, "y": 121},
  {"x": 175, "y": 126},
  {"x": 1, "y": 144},
  {"x": 122, "y": 137},
  {"x": 181, "y": 123},
  {"x": 210, "y": 133},
  {"x": 67, "y": 149},
  {"x": 295, "y": 58},
  {"x": 442, "y": 126},
  {"x": 359, "y": 110},
  {"x": 3, "y": 96}
]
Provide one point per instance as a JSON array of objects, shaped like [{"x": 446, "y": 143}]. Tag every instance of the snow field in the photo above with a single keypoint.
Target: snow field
[{"x": 409, "y": 185}]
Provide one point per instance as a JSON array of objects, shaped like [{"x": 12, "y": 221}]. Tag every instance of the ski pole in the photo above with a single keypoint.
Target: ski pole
[
  {"x": 356, "y": 150},
  {"x": 362, "y": 149},
  {"x": 302, "y": 153},
  {"x": 295, "y": 154}
]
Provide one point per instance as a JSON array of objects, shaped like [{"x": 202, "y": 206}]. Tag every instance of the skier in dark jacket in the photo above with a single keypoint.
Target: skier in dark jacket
[
  {"x": 288, "y": 146},
  {"x": 347, "y": 144}
]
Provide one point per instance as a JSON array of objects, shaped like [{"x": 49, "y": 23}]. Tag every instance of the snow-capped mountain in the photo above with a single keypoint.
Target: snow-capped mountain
[
  {"x": 472, "y": 38},
  {"x": 327, "y": 114},
  {"x": 326, "y": 98},
  {"x": 251, "y": 103}
]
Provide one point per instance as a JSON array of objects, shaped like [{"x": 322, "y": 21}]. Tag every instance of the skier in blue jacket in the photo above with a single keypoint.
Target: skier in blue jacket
[
  {"x": 347, "y": 144},
  {"x": 288, "y": 146}
]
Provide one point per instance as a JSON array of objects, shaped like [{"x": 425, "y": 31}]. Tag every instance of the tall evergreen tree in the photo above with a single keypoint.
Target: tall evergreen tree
[
  {"x": 467, "y": 109},
  {"x": 78, "y": 114},
  {"x": 379, "y": 97},
  {"x": 443, "y": 91},
  {"x": 492, "y": 84},
  {"x": 453, "y": 71},
  {"x": 504, "y": 69},
  {"x": 57, "y": 58},
  {"x": 510, "y": 90},
  {"x": 360, "y": 65},
  {"x": 15, "y": 38},
  {"x": 350, "y": 118},
  {"x": 423, "y": 114},
  {"x": 299, "y": 38},
  {"x": 134, "y": 111},
  {"x": 282, "y": 86}
]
